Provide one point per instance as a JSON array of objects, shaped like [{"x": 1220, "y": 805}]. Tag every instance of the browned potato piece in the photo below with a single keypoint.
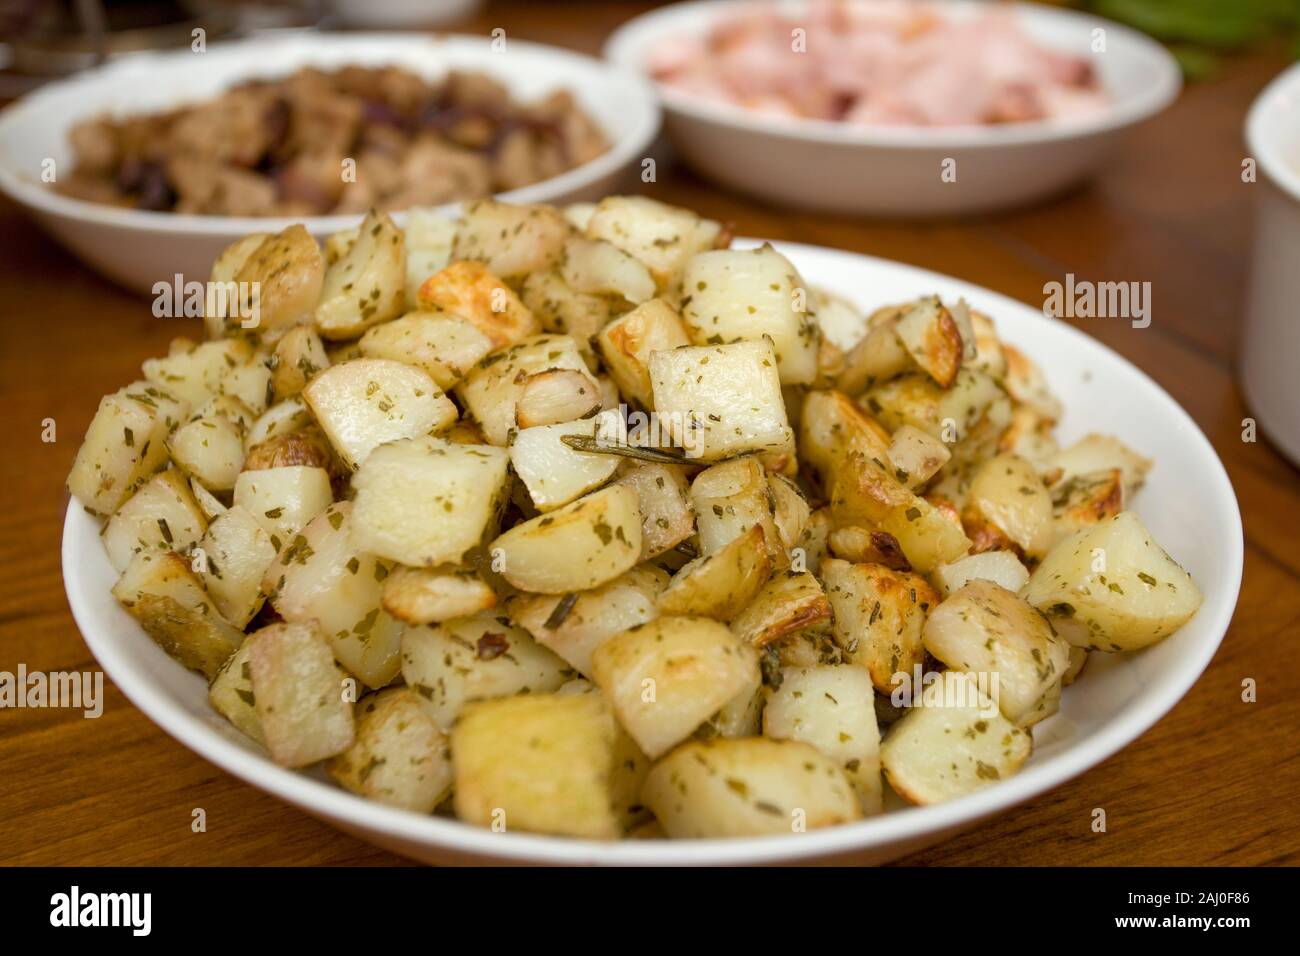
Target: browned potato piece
[
  {"x": 667, "y": 677},
  {"x": 469, "y": 290},
  {"x": 307, "y": 447},
  {"x": 399, "y": 757},
  {"x": 431, "y": 595},
  {"x": 288, "y": 271},
  {"x": 791, "y": 602},
  {"x": 930, "y": 335},
  {"x": 167, "y": 598},
  {"x": 720, "y": 584},
  {"x": 879, "y": 615},
  {"x": 556, "y": 395}
]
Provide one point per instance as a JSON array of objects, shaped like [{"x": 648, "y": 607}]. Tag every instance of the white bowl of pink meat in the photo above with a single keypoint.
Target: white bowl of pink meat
[{"x": 894, "y": 107}]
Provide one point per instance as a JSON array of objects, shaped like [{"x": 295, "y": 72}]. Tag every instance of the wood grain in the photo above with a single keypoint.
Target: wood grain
[{"x": 1214, "y": 782}]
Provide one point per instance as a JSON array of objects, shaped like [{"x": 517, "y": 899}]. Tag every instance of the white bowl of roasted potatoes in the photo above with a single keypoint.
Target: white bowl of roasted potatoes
[{"x": 592, "y": 535}]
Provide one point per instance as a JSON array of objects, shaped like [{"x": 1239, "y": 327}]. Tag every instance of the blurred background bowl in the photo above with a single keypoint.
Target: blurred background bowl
[
  {"x": 1270, "y": 355},
  {"x": 138, "y": 248},
  {"x": 895, "y": 171}
]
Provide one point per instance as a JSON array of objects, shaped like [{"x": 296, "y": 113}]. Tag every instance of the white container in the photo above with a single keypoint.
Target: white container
[
  {"x": 1270, "y": 354},
  {"x": 1188, "y": 504},
  {"x": 841, "y": 168},
  {"x": 138, "y": 248}
]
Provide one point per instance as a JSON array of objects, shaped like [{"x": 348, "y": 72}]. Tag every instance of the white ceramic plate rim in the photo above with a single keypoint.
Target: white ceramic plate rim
[
  {"x": 1281, "y": 96},
  {"x": 39, "y": 196},
  {"x": 625, "y": 43},
  {"x": 315, "y": 796}
]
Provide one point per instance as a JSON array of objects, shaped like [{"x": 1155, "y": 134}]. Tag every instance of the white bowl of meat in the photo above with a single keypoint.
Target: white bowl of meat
[
  {"x": 148, "y": 167},
  {"x": 892, "y": 108}
]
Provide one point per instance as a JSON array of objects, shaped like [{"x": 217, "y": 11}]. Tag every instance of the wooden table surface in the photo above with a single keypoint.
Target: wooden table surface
[{"x": 1215, "y": 782}]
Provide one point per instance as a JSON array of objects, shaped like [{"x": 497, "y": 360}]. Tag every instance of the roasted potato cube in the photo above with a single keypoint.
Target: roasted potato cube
[
  {"x": 475, "y": 658},
  {"x": 574, "y": 625},
  {"x": 542, "y": 764},
  {"x": 283, "y": 500},
  {"x": 666, "y": 515},
  {"x": 879, "y": 615},
  {"x": 445, "y": 347},
  {"x": 877, "y": 358},
  {"x": 1116, "y": 583},
  {"x": 790, "y": 510},
  {"x": 399, "y": 756},
  {"x": 307, "y": 447},
  {"x": 167, "y": 598},
  {"x": 431, "y": 595},
  {"x": 299, "y": 693},
  {"x": 298, "y": 357},
  {"x": 429, "y": 237},
  {"x": 250, "y": 384},
  {"x": 627, "y": 343},
  {"x": 368, "y": 284},
  {"x": 1001, "y": 567},
  {"x": 832, "y": 709},
  {"x": 282, "y": 418},
  {"x": 321, "y": 576},
  {"x": 162, "y": 516},
  {"x": 125, "y": 444},
  {"x": 195, "y": 376},
  {"x": 287, "y": 271},
  {"x": 731, "y": 498},
  {"x": 1093, "y": 453},
  {"x": 425, "y": 501},
  {"x": 791, "y": 602},
  {"x": 831, "y": 427},
  {"x": 916, "y": 456},
  {"x": 662, "y": 237},
  {"x": 596, "y": 267},
  {"x": 864, "y": 546},
  {"x": 1024, "y": 381},
  {"x": 236, "y": 553},
  {"x": 931, "y": 336},
  {"x": 563, "y": 311},
  {"x": 469, "y": 290},
  {"x": 364, "y": 403},
  {"x": 1030, "y": 436},
  {"x": 556, "y": 474},
  {"x": 511, "y": 241},
  {"x": 1081, "y": 501},
  {"x": 574, "y": 548},
  {"x": 721, "y": 584},
  {"x": 985, "y": 629},
  {"x": 750, "y": 786},
  {"x": 231, "y": 693},
  {"x": 863, "y": 494},
  {"x": 555, "y": 396},
  {"x": 949, "y": 414},
  {"x": 668, "y": 676},
  {"x": 735, "y": 295},
  {"x": 223, "y": 310},
  {"x": 953, "y": 745},
  {"x": 492, "y": 389},
  {"x": 1006, "y": 492},
  {"x": 211, "y": 449},
  {"x": 720, "y": 401}
]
